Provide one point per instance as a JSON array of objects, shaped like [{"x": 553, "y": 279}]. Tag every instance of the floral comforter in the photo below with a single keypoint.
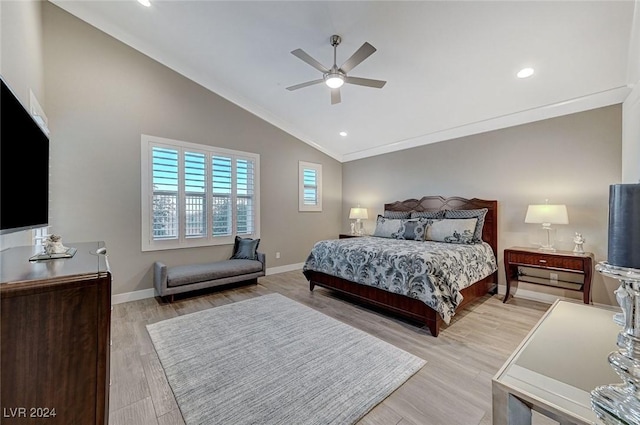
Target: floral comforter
[{"x": 433, "y": 272}]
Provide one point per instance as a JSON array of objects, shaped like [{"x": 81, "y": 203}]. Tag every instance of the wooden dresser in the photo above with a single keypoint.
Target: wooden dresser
[{"x": 55, "y": 318}]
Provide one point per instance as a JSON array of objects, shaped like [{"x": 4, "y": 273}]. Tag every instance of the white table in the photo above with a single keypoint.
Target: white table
[{"x": 555, "y": 368}]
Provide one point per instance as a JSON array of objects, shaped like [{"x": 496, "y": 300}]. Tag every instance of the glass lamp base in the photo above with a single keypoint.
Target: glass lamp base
[
  {"x": 616, "y": 404},
  {"x": 619, "y": 404},
  {"x": 544, "y": 239}
]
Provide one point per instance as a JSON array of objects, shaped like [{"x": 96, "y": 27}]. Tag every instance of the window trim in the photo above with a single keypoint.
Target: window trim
[
  {"x": 146, "y": 188},
  {"x": 303, "y": 165}
]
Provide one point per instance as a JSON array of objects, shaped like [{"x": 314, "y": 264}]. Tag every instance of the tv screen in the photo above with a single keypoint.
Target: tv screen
[{"x": 24, "y": 167}]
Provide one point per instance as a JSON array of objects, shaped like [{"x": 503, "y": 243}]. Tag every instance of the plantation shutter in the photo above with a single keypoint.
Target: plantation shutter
[
  {"x": 221, "y": 175},
  {"x": 165, "y": 193},
  {"x": 309, "y": 186},
  {"x": 194, "y": 194},
  {"x": 310, "y": 180},
  {"x": 245, "y": 196}
]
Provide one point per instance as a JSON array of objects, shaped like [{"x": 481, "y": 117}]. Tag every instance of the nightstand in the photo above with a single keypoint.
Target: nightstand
[{"x": 561, "y": 261}]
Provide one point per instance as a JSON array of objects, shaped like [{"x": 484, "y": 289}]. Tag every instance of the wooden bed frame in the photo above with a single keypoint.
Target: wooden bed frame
[{"x": 408, "y": 307}]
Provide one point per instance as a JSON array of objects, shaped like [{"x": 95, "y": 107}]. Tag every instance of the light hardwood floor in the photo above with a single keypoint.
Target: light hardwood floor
[{"x": 453, "y": 388}]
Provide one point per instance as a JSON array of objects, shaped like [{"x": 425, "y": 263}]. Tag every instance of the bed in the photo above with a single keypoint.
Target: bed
[{"x": 424, "y": 280}]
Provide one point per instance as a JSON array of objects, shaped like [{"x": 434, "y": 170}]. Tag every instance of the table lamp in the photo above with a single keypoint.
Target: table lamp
[
  {"x": 546, "y": 215},
  {"x": 620, "y": 403},
  {"x": 358, "y": 214}
]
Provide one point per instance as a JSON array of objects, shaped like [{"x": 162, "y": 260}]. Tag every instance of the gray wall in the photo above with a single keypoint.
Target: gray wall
[
  {"x": 631, "y": 108},
  {"x": 569, "y": 160},
  {"x": 101, "y": 96},
  {"x": 21, "y": 67}
]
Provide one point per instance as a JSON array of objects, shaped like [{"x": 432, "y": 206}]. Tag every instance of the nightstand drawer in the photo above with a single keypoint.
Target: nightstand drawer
[{"x": 546, "y": 261}]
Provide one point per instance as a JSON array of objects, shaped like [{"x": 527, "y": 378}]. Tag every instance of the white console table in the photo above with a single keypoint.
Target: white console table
[{"x": 555, "y": 368}]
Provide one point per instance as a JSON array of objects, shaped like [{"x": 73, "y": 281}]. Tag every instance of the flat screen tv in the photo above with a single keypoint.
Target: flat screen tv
[{"x": 24, "y": 167}]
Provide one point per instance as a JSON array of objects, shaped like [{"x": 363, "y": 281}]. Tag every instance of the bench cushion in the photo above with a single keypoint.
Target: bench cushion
[{"x": 194, "y": 273}]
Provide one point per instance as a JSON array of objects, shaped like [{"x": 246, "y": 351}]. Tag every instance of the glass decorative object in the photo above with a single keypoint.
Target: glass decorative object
[{"x": 619, "y": 404}]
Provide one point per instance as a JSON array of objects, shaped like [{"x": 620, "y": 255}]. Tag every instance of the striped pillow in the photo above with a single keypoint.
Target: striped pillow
[
  {"x": 397, "y": 214},
  {"x": 427, "y": 214}
]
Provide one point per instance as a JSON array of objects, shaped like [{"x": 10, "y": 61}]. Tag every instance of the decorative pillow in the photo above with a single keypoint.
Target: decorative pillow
[
  {"x": 479, "y": 214},
  {"x": 451, "y": 230},
  {"x": 427, "y": 214},
  {"x": 386, "y": 227},
  {"x": 400, "y": 228},
  {"x": 397, "y": 214},
  {"x": 245, "y": 248},
  {"x": 411, "y": 229}
]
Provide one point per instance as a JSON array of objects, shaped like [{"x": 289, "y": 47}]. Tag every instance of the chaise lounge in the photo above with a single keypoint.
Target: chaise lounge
[{"x": 169, "y": 281}]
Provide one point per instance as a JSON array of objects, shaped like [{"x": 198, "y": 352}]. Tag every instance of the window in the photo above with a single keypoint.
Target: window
[
  {"x": 310, "y": 186},
  {"x": 197, "y": 195}
]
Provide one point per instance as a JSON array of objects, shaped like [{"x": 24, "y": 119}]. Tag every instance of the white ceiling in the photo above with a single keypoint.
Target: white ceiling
[{"x": 449, "y": 65}]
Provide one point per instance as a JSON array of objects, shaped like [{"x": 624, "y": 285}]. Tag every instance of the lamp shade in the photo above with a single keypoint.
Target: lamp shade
[
  {"x": 624, "y": 225},
  {"x": 551, "y": 214},
  {"x": 358, "y": 212}
]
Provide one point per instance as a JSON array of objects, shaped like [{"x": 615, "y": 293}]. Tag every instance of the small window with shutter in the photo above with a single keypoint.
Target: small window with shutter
[{"x": 310, "y": 186}]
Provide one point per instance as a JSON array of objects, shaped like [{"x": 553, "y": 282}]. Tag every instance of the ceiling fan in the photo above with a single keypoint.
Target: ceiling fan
[{"x": 335, "y": 77}]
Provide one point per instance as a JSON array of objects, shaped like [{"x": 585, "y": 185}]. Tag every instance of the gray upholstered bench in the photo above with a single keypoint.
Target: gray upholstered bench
[{"x": 169, "y": 281}]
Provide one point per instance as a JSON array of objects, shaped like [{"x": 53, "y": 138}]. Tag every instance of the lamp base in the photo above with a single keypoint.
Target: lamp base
[
  {"x": 619, "y": 404},
  {"x": 545, "y": 238},
  {"x": 616, "y": 404},
  {"x": 547, "y": 248}
]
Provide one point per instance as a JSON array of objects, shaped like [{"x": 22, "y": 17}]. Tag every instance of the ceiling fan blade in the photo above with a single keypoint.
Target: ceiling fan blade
[
  {"x": 335, "y": 96},
  {"x": 361, "y": 54},
  {"x": 307, "y": 84},
  {"x": 301, "y": 54},
  {"x": 365, "y": 82}
]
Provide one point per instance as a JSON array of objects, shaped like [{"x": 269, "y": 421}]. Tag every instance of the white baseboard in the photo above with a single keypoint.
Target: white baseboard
[
  {"x": 283, "y": 269},
  {"x": 133, "y": 296},
  {"x": 150, "y": 293}
]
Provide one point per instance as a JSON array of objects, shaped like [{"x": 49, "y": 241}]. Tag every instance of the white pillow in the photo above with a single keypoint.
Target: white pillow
[
  {"x": 403, "y": 228},
  {"x": 451, "y": 230},
  {"x": 386, "y": 227}
]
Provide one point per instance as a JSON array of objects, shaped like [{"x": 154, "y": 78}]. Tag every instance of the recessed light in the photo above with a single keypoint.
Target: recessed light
[
  {"x": 343, "y": 133},
  {"x": 145, "y": 2},
  {"x": 525, "y": 73}
]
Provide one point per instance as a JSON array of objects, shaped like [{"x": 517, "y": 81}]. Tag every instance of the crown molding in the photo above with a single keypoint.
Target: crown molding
[{"x": 571, "y": 106}]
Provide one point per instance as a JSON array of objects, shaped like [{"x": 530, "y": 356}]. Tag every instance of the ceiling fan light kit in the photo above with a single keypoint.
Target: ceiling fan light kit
[
  {"x": 335, "y": 76},
  {"x": 334, "y": 80}
]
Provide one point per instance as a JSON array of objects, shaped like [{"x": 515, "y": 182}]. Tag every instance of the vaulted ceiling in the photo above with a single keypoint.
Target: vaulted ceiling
[{"x": 450, "y": 66}]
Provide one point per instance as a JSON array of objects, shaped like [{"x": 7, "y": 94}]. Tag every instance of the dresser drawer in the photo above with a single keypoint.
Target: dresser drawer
[{"x": 547, "y": 261}]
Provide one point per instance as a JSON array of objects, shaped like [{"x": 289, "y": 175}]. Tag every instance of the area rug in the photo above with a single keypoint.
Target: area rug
[{"x": 272, "y": 360}]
